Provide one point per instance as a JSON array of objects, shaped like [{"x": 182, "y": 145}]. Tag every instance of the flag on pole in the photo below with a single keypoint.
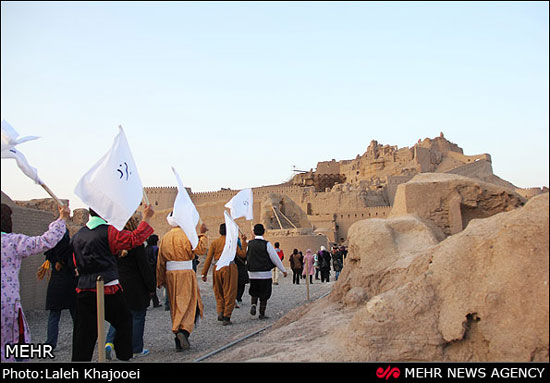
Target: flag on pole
[
  {"x": 112, "y": 187},
  {"x": 231, "y": 237},
  {"x": 10, "y": 138},
  {"x": 184, "y": 214},
  {"x": 241, "y": 205}
]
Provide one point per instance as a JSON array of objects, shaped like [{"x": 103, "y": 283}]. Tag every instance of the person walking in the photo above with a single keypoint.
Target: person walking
[
  {"x": 316, "y": 265},
  {"x": 15, "y": 247},
  {"x": 296, "y": 264},
  {"x": 261, "y": 258},
  {"x": 61, "y": 292},
  {"x": 243, "y": 279},
  {"x": 309, "y": 268},
  {"x": 95, "y": 246},
  {"x": 138, "y": 285},
  {"x": 151, "y": 254},
  {"x": 274, "y": 271},
  {"x": 224, "y": 280},
  {"x": 324, "y": 264},
  {"x": 337, "y": 262},
  {"x": 175, "y": 272}
]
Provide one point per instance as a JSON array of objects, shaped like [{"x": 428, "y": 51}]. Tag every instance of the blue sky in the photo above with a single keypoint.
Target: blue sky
[{"x": 234, "y": 94}]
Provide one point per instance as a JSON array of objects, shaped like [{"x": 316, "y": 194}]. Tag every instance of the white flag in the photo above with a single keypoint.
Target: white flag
[
  {"x": 241, "y": 205},
  {"x": 231, "y": 237},
  {"x": 112, "y": 187},
  {"x": 10, "y": 138},
  {"x": 185, "y": 214}
]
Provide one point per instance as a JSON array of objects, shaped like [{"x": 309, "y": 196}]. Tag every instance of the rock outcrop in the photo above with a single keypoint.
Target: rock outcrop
[{"x": 410, "y": 293}]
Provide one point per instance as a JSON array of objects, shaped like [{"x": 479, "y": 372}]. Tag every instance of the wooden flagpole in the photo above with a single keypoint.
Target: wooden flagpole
[
  {"x": 100, "y": 293},
  {"x": 240, "y": 231},
  {"x": 146, "y": 198},
  {"x": 48, "y": 190}
]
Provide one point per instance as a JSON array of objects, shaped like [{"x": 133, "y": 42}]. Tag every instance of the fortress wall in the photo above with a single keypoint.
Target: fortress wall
[
  {"x": 467, "y": 159},
  {"x": 345, "y": 219},
  {"x": 328, "y": 167},
  {"x": 392, "y": 183},
  {"x": 531, "y": 192},
  {"x": 404, "y": 155},
  {"x": 319, "y": 203},
  {"x": 213, "y": 196},
  {"x": 324, "y": 224},
  {"x": 440, "y": 144},
  {"x": 332, "y": 202},
  {"x": 293, "y": 192},
  {"x": 478, "y": 167},
  {"x": 324, "y": 209},
  {"x": 257, "y": 193},
  {"x": 348, "y": 168},
  {"x": 161, "y": 197},
  {"x": 423, "y": 157}
]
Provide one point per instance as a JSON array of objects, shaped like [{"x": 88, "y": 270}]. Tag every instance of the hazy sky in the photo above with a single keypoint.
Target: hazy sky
[{"x": 234, "y": 94}]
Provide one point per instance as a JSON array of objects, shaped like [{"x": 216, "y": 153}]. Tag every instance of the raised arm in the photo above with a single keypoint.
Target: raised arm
[
  {"x": 26, "y": 246},
  {"x": 125, "y": 239}
]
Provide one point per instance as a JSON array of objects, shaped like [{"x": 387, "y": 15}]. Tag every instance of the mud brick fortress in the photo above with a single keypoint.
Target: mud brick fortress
[
  {"x": 313, "y": 209},
  {"x": 318, "y": 207}
]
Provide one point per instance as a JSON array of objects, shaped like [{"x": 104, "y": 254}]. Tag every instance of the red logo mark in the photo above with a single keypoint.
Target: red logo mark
[{"x": 388, "y": 372}]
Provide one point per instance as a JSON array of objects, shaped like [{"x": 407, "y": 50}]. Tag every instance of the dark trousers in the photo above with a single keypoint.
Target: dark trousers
[
  {"x": 85, "y": 327},
  {"x": 53, "y": 326},
  {"x": 296, "y": 276},
  {"x": 260, "y": 289},
  {"x": 138, "y": 323},
  {"x": 240, "y": 292},
  {"x": 325, "y": 275}
]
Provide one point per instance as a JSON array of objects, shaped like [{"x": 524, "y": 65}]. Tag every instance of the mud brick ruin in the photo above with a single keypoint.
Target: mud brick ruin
[{"x": 319, "y": 206}]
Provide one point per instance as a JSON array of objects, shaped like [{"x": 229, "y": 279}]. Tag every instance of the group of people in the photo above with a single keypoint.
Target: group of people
[
  {"x": 318, "y": 263},
  {"x": 131, "y": 272}
]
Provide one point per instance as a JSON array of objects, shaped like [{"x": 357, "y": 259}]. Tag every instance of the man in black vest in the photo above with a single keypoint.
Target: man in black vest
[
  {"x": 261, "y": 258},
  {"x": 96, "y": 247}
]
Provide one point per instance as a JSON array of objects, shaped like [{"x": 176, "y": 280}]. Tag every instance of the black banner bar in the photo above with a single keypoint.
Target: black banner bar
[{"x": 382, "y": 372}]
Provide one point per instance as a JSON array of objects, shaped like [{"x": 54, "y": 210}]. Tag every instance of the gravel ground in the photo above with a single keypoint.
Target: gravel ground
[{"x": 208, "y": 336}]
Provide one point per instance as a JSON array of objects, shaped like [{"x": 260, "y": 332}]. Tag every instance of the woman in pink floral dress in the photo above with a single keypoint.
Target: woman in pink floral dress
[{"x": 15, "y": 247}]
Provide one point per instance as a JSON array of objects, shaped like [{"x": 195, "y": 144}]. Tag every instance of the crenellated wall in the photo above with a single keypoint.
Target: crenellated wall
[
  {"x": 161, "y": 197},
  {"x": 531, "y": 192},
  {"x": 332, "y": 211}
]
